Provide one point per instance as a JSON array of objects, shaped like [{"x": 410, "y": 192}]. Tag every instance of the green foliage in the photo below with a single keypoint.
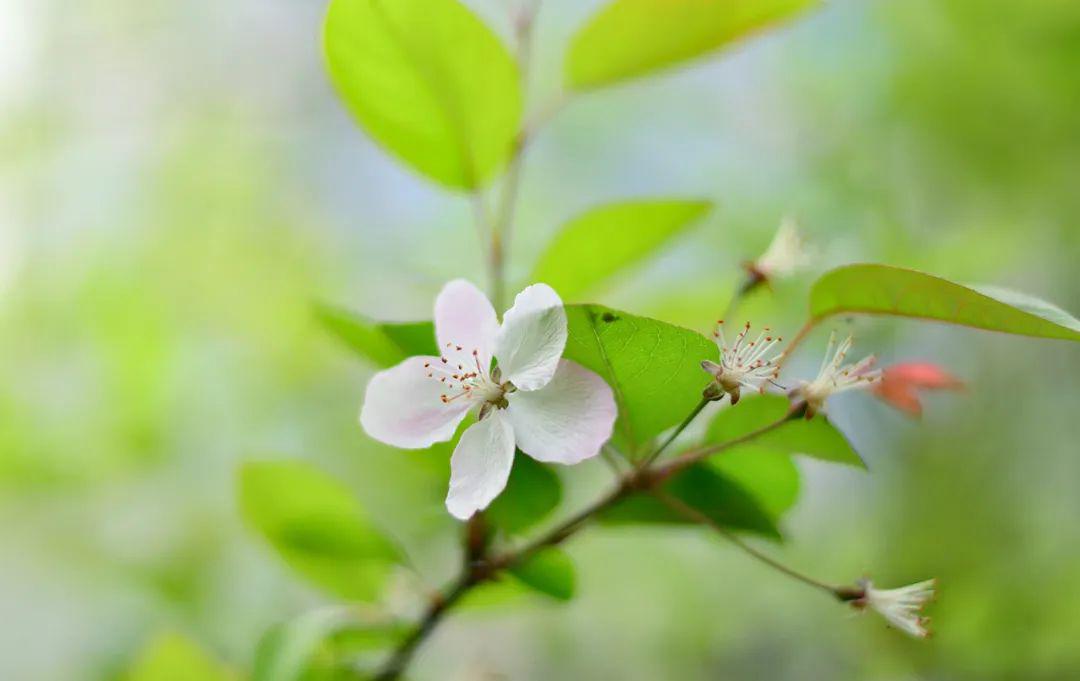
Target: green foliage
[
  {"x": 311, "y": 646},
  {"x": 548, "y": 571},
  {"x": 172, "y": 657},
  {"x": 611, "y": 238},
  {"x": 816, "y": 437},
  {"x": 383, "y": 344},
  {"x": 631, "y": 38},
  {"x": 317, "y": 527},
  {"x": 884, "y": 290},
  {"x": 706, "y": 490},
  {"x": 653, "y": 368},
  {"x": 768, "y": 475},
  {"x": 531, "y": 494},
  {"x": 429, "y": 81}
]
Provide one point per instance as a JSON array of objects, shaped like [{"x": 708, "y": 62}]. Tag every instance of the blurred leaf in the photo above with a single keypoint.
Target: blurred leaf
[
  {"x": 383, "y": 344},
  {"x": 429, "y": 81},
  {"x": 631, "y": 38},
  {"x": 884, "y": 290},
  {"x": 316, "y": 526},
  {"x": 608, "y": 239},
  {"x": 768, "y": 475},
  {"x": 172, "y": 657},
  {"x": 288, "y": 651},
  {"x": 414, "y": 338},
  {"x": 549, "y": 571},
  {"x": 817, "y": 437},
  {"x": 706, "y": 490},
  {"x": 533, "y": 491},
  {"x": 653, "y": 368}
]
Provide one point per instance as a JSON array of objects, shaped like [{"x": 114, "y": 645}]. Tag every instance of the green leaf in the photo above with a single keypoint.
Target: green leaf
[
  {"x": 172, "y": 657},
  {"x": 549, "y": 571},
  {"x": 631, "y": 38},
  {"x": 817, "y": 437},
  {"x": 289, "y": 651},
  {"x": 429, "y": 81},
  {"x": 884, "y": 290},
  {"x": 703, "y": 488},
  {"x": 653, "y": 368},
  {"x": 533, "y": 492},
  {"x": 768, "y": 475},
  {"x": 608, "y": 239},
  {"x": 316, "y": 526},
  {"x": 382, "y": 344}
]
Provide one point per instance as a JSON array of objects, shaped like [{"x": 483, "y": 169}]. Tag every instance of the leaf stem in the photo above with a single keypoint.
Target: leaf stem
[
  {"x": 693, "y": 514},
  {"x": 799, "y": 338},
  {"x": 693, "y": 456},
  {"x": 647, "y": 461}
]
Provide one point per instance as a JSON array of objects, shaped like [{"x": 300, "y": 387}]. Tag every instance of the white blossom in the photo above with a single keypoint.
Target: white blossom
[
  {"x": 900, "y": 607},
  {"x": 743, "y": 364},
  {"x": 836, "y": 377},
  {"x": 551, "y": 408},
  {"x": 786, "y": 254}
]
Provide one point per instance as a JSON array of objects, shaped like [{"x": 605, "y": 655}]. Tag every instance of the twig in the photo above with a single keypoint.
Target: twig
[
  {"x": 693, "y": 456},
  {"x": 697, "y": 516},
  {"x": 647, "y": 461},
  {"x": 633, "y": 482}
]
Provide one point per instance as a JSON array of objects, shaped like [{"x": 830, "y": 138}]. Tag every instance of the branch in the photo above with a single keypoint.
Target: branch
[
  {"x": 687, "y": 459},
  {"x": 648, "y": 479},
  {"x": 403, "y": 654}
]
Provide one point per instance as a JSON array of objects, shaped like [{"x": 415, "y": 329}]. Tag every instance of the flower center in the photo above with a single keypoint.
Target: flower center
[{"x": 465, "y": 378}]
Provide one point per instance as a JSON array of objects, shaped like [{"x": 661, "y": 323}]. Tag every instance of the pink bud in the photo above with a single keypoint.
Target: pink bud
[{"x": 900, "y": 384}]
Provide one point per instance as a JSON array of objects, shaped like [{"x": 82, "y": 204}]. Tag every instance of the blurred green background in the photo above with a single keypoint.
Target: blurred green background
[{"x": 178, "y": 184}]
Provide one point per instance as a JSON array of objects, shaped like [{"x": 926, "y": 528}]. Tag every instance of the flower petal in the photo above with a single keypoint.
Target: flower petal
[
  {"x": 480, "y": 465},
  {"x": 532, "y": 338},
  {"x": 404, "y": 408},
  {"x": 465, "y": 319},
  {"x": 568, "y": 420}
]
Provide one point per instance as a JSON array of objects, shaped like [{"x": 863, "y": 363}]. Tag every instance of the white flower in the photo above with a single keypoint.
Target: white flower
[
  {"x": 900, "y": 607},
  {"x": 836, "y": 377},
  {"x": 786, "y": 254},
  {"x": 553, "y": 409},
  {"x": 743, "y": 364}
]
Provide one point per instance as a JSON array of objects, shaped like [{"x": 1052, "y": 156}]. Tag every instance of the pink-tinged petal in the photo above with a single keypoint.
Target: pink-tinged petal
[
  {"x": 532, "y": 338},
  {"x": 900, "y": 385},
  {"x": 566, "y": 421},
  {"x": 404, "y": 408},
  {"x": 465, "y": 319},
  {"x": 922, "y": 375},
  {"x": 480, "y": 465}
]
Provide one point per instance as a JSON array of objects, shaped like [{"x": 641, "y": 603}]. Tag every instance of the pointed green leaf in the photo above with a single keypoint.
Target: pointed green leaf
[
  {"x": 703, "y": 488},
  {"x": 630, "y": 38},
  {"x": 608, "y": 239},
  {"x": 817, "y": 437},
  {"x": 383, "y": 344},
  {"x": 317, "y": 527},
  {"x": 429, "y": 81},
  {"x": 549, "y": 571},
  {"x": 531, "y": 494},
  {"x": 653, "y": 368},
  {"x": 172, "y": 657},
  {"x": 884, "y": 290}
]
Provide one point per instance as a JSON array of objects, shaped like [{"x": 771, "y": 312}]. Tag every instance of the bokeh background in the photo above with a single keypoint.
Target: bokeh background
[{"x": 178, "y": 184}]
